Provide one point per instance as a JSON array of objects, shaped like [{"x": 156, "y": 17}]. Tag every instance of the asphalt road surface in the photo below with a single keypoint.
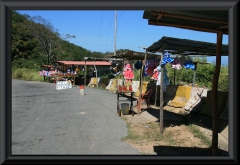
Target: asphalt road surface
[{"x": 47, "y": 121}]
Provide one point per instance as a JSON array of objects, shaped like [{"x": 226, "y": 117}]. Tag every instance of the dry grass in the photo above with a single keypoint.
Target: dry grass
[{"x": 146, "y": 137}]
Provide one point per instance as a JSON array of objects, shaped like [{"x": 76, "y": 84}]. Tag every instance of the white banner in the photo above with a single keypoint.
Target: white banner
[{"x": 63, "y": 84}]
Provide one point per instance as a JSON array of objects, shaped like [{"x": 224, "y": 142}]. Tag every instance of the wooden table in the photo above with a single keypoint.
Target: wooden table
[{"x": 123, "y": 94}]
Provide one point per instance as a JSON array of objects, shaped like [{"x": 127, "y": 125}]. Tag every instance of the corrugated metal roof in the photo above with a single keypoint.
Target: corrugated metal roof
[
  {"x": 187, "y": 47},
  {"x": 101, "y": 63}
]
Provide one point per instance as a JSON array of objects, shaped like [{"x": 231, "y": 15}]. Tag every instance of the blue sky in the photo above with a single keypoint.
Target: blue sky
[{"x": 95, "y": 29}]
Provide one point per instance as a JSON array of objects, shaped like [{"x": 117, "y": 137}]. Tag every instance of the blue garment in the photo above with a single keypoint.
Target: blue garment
[{"x": 144, "y": 74}]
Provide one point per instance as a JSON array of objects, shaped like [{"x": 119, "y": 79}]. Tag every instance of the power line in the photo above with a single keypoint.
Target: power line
[
  {"x": 118, "y": 17},
  {"x": 108, "y": 33},
  {"x": 108, "y": 28},
  {"x": 100, "y": 31}
]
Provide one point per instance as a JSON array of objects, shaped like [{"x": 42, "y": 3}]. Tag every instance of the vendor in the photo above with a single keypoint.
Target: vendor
[{"x": 91, "y": 73}]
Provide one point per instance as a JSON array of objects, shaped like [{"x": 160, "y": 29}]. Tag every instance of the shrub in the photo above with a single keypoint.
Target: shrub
[{"x": 26, "y": 74}]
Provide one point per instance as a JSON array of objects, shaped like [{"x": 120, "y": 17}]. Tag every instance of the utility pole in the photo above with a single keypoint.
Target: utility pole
[{"x": 115, "y": 33}]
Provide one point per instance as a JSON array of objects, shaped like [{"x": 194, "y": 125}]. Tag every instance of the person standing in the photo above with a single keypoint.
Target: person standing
[{"x": 91, "y": 73}]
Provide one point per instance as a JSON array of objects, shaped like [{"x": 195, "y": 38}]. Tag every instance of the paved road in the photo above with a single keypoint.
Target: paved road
[{"x": 50, "y": 121}]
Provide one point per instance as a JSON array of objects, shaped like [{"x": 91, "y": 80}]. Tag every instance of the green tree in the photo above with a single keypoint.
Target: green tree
[{"x": 49, "y": 38}]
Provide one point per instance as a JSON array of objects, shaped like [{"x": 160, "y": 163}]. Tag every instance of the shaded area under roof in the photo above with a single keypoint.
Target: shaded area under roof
[
  {"x": 101, "y": 63},
  {"x": 187, "y": 47},
  {"x": 132, "y": 55},
  {"x": 200, "y": 20}
]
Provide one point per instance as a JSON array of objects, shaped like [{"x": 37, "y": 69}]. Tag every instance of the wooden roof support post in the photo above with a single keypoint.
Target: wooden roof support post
[
  {"x": 95, "y": 71},
  {"x": 155, "y": 98},
  {"x": 141, "y": 72},
  {"x": 161, "y": 94},
  {"x": 85, "y": 79},
  {"x": 174, "y": 78},
  {"x": 215, "y": 115},
  {"x": 141, "y": 82},
  {"x": 194, "y": 74}
]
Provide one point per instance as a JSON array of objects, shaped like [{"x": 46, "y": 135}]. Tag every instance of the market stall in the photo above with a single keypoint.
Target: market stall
[
  {"x": 183, "y": 47},
  {"x": 57, "y": 73},
  {"x": 141, "y": 58},
  {"x": 48, "y": 71},
  {"x": 96, "y": 63},
  {"x": 211, "y": 21},
  {"x": 82, "y": 71}
]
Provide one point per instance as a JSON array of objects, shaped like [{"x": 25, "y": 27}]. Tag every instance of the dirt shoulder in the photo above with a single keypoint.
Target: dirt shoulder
[{"x": 183, "y": 135}]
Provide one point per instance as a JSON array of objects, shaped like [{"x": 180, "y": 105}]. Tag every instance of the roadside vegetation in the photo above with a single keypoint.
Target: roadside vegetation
[{"x": 26, "y": 74}]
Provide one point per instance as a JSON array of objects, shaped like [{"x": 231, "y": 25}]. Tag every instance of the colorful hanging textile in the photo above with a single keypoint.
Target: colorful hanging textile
[
  {"x": 128, "y": 73},
  {"x": 176, "y": 63},
  {"x": 165, "y": 79},
  {"x": 155, "y": 74},
  {"x": 166, "y": 58},
  {"x": 138, "y": 65}
]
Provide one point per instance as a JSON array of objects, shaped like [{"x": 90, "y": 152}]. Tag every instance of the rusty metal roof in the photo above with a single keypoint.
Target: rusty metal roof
[
  {"x": 199, "y": 20},
  {"x": 100, "y": 63}
]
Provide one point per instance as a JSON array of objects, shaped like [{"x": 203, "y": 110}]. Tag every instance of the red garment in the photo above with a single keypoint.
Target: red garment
[
  {"x": 149, "y": 71},
  {"x": 155, "y": 75},
  {"x": 128, "y": 74}
]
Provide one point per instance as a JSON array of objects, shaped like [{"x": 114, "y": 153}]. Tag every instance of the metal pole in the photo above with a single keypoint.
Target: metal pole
[
  {"x": 115, "y": 37},
  {"x": 115, "y": 33},
  {"x": 85, "y": 74}
]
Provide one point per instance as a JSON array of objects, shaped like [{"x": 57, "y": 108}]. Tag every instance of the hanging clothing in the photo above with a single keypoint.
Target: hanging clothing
[
  {"x": 138, "y": 65},
  {"x": 165, "y": 80},
  {"x": 155, "y": 74},
  {"x": 166, "y": 58},
  {"x": 182, "y": 60},
  {"x": 149, "y": 71},
  {"x": 150, "y": 66},
  {"x": 176, "y": 63},
  {"x": 127, "y": 72}
]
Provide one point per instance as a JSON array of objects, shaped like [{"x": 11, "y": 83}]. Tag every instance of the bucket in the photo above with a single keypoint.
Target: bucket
[
  {"x": 81, "y": 90},
  {"x": 125, "y": 108}
]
